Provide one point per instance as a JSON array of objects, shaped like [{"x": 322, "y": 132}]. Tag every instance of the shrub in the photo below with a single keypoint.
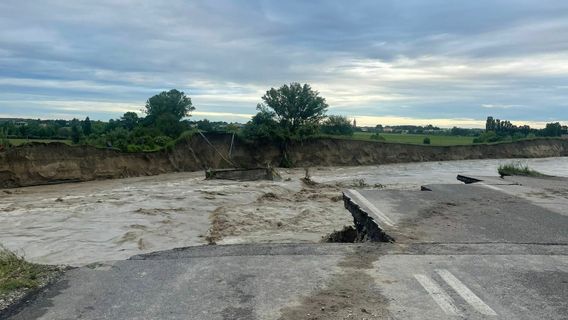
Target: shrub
[
  {"x": 517, "y": 169},
  {"x": 184, "y": 136},
  {"x": 134, "y": 148},
  {"x": 378, "y": 137},
  {"x": 426, "y": 140},
  {"x": 4, "y": 142},
  {"x": 337, "y": 125},
  {"x": 187, "y": 134},
  {"x": 262, "y": 126},
  {"x": 162, "y": 141},
  {"x": 490, "y": 137}
]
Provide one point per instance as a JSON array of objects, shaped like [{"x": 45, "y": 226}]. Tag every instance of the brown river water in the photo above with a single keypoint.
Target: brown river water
[{"x": 81, "y": 223}]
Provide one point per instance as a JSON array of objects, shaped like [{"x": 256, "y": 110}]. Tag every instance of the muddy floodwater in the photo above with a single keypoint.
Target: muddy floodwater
[{"x": 81, "y": 223}]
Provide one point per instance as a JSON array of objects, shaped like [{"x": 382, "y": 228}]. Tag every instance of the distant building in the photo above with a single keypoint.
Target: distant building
[
  {"x": 433, "y": 131},
  {"x": 354, "y": 123},
  {"x": 20, "y": 123},
  {"x": 388, "y": 129}
]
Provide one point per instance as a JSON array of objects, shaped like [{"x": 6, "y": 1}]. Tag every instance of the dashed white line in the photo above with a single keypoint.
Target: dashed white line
[
  {"x": 438, "y": 294},
  {"x": 383, "y": 217},
  {"x": 466, "y": 293}
]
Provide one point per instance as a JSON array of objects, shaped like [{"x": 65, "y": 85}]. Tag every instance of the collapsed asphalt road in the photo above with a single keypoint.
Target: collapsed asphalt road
[{"x": 497, "y": 249}]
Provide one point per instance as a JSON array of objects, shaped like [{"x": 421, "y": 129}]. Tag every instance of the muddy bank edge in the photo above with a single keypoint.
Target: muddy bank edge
[{"x": 39, "y": 164}]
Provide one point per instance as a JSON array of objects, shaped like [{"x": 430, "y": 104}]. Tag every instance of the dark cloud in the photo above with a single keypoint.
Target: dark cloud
[{"x": 417, "y": 59}]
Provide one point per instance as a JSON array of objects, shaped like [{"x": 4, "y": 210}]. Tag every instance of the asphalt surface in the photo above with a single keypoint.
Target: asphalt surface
[{"x": 496, "y": 249}]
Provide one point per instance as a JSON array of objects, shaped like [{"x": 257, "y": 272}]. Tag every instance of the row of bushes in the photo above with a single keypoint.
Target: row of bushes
[
  {"x": 134, "y": 141},
  {"x": 492, "y": 137}
]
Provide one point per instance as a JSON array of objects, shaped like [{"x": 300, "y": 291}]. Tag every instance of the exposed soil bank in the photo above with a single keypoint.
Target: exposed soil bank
[{"x": 38, "y": 164}]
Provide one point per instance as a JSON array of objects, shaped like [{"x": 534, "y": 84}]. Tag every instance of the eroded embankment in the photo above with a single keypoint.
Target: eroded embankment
[{"x": 38, "y": 164}]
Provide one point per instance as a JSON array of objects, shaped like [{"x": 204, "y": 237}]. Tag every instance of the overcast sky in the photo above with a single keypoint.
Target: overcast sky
[{"x": 390, "y": 62}]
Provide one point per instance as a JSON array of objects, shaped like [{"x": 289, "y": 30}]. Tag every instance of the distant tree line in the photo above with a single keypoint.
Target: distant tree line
[
  {"x": 293, "y": 111},
  {"x": 497, "y": 130},
  {"x": 162, "y": 124},
  {"x": 412, "y": 129},
  {"x": 428, "y": 129}
]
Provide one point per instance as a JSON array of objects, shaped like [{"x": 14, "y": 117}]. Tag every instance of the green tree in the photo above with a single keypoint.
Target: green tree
[
  {"x": 297, "y": 108},
  {"x": 490, "y": 124},
  {"x": 129, "y": 120},
  {"x": 552, "y": 130},
  {"x": 75, "y": 134},
  {"x": 64, "y": 132},
  {"x": 169, "y": 125},
  {"x": 337, "y": 125},
  {"x": 233, "y": 128},
  {"x": 87, "y": 127},
  {"x": 165, "y": 110},
  {"x": 4, "y": 142},
  {"x": 205, "y": 125},
  {"x": 262, "y": 126},
  {"x": 173, "y": 102}
]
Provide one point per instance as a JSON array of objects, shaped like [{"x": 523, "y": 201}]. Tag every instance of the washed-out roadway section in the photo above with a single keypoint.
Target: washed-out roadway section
[{"x": 459, "y": 252}]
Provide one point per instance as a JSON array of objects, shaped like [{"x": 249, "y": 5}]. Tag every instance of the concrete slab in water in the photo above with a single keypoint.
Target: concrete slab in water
[{"x": 240, "y": 174}]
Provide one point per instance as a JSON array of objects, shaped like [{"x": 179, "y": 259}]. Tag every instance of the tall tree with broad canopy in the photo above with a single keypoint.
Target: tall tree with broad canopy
[
  {"x": 295, "y": 107},
  {"x": 173, "y": 103},
  {"x": 165, "y": 110}
]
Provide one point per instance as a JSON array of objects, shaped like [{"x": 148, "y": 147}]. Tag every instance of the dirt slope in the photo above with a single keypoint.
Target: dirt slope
[
  {"x": 55, "y": 163},
  {"x": 335, "y": 152}
]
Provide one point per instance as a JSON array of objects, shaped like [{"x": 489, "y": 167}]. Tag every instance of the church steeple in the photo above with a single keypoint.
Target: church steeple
[{"x": 354, "y": 123}]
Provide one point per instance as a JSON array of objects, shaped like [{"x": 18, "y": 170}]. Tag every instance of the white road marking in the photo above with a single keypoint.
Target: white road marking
[
  {"x": 489, "y": 186},
  {"x": 383, "y": 217},
  {"x": 438, "y": 294},
  {"x": 465, "y": 293}
]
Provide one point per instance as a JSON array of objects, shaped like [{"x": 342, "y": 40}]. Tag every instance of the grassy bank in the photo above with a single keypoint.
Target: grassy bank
[
  {"x": 16, "y": 273},
  {"x": 17, "y": 142},
  {"x": 517, "y": 169},
  {"x": 435, "y": 140}
]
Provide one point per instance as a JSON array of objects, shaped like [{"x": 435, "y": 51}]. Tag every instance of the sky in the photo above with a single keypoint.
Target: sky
[{"x": 447, "y": 63}]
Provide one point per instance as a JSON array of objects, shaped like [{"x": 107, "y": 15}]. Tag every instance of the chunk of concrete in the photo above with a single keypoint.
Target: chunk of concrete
[{"x": 251, "y": 174}]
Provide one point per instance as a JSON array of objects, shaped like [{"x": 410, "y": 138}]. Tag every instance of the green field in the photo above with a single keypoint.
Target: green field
[
  {"x": 17, "y": 142},
  {"x": 435, "y": 140}
]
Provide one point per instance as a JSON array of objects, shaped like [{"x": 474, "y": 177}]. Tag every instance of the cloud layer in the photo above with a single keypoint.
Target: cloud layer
[{"x": 450, "y": 62}]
